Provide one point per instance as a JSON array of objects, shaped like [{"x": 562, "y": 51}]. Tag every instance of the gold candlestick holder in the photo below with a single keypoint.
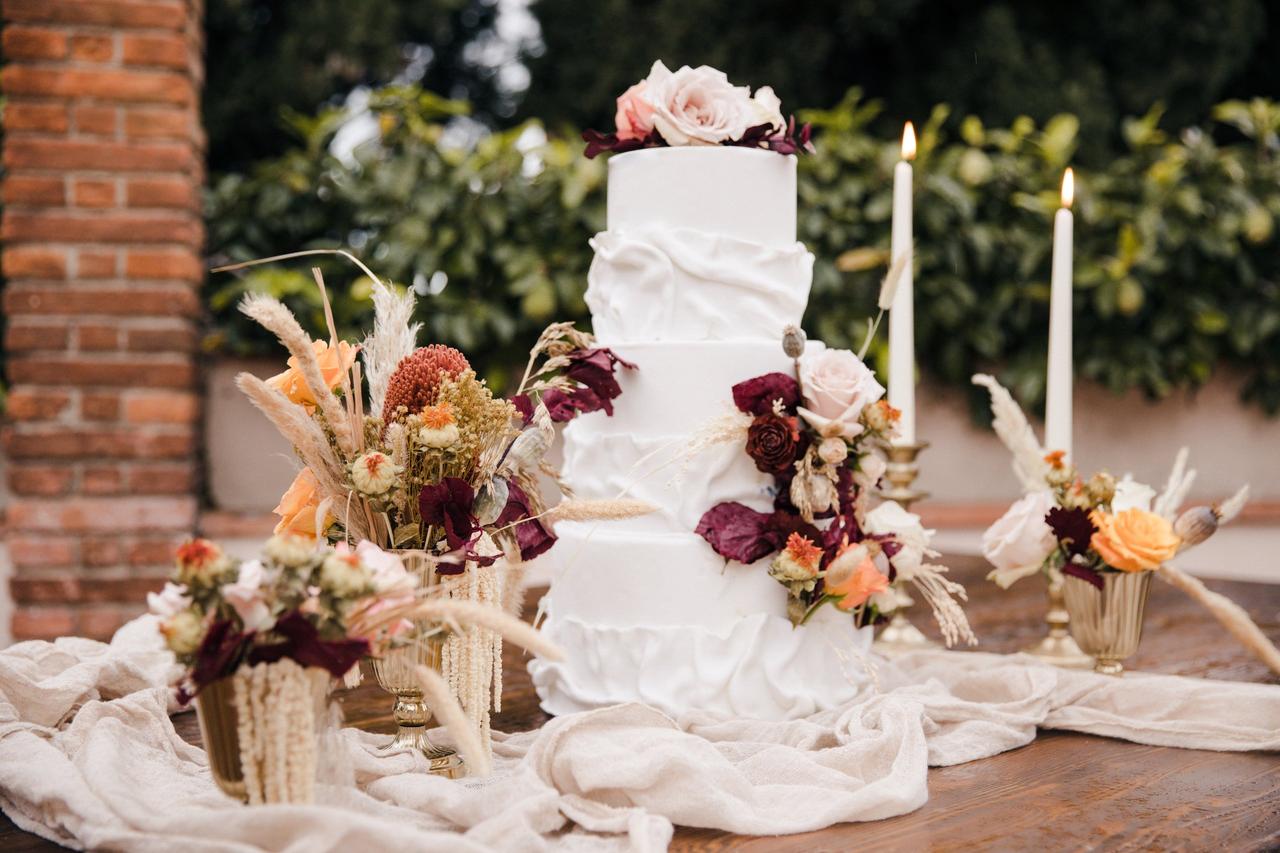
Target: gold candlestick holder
[
  {"x": 900, "y": 635},
  {"x": 1058, "y": 647}
]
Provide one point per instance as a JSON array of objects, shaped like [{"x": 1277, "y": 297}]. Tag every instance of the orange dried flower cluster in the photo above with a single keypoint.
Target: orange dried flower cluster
[
  {"x": 416, "y": 381},
  {"x": 438, "y": 417}
]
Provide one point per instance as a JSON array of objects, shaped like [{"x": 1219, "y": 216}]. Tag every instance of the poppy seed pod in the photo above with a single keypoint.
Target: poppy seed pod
[
  {"x": 1196, "y": 525},
  {"x": 793, "y": 341}
]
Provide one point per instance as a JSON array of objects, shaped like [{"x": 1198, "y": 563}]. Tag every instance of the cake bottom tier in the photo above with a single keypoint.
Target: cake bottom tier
[{"x": 660, "y": 619}]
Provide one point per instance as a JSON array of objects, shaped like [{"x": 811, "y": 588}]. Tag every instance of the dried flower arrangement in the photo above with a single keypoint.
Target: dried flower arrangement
[
  {"x": 698, "y": 106},
  {"x": 1090, "y": 527},
  {"x": 431, "y": 461},
  {"x": 820, "y": 434}
]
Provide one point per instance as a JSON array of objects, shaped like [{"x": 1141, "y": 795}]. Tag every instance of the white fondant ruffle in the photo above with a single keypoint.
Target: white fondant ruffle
[
  {"x": 662, "y": 284},
  {"x": 762, "y": 668}
]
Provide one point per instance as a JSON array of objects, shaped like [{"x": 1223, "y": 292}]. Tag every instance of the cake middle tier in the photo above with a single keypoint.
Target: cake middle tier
[{"x": 656, "y": 283}]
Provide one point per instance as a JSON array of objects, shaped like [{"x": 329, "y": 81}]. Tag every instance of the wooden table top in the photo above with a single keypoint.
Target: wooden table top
[{"x": 1064, "y": 791}]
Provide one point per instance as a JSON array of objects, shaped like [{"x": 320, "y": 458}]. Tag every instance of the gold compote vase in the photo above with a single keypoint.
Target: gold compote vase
[
  {"x": 1107, "y": 622},
  {"x": 396, "y": 673}
]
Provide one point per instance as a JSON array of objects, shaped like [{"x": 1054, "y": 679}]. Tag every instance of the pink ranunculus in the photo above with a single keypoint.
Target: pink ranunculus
[
  {"x": 697, "y": 106},
  {"x": 634, "y": 119},
  {"x": 836, "y": 386}
]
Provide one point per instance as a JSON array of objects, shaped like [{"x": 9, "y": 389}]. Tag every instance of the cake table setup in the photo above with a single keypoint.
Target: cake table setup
[{"x": 740, "y": 626}]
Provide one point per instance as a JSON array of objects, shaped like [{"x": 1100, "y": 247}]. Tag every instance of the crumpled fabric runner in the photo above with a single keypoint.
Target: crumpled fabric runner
[{"x": 90, "y": 759}]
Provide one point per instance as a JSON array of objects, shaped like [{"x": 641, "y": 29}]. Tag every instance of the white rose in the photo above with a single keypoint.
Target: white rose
[
  {"x": 1130, "y": 494},
  {"x": 697, "y": 106},
  {"x": 891, "y": 519},
  {"x": 248, "y": 597},
  {"x": 871, "y": 467},
  {"x": 168, "y": 601},
  {"x": 837, "y": 386},
  {"x": 289, "y": 550},
  {"x": 1018, "y": 543},
  {"x": 767, "y": 108}
]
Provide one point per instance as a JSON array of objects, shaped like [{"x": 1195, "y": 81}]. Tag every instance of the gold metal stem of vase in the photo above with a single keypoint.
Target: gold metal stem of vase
[
  {"x": 901, "y": 472},
  {"x": 1057, "y": 646}
]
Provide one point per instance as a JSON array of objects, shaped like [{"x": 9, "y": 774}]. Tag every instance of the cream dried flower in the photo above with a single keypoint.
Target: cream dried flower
[
  {"x": 290, "y": 550},
  {"x": 183, "y": 632},
  {"x": 343, "y": 575},
  {"x": 374, "y": 473}
]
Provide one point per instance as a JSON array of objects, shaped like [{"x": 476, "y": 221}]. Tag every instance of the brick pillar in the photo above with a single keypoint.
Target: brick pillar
[{"x": 102, "y": 237}]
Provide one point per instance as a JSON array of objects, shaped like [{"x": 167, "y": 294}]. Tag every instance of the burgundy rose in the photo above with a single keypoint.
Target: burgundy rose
[{"x": 773, "y": 441}]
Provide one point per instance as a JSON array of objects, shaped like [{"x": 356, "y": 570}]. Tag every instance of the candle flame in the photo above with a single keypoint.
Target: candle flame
[
  {"x": 908, "y": 142},
  {"x": 1068, "y": 188}
]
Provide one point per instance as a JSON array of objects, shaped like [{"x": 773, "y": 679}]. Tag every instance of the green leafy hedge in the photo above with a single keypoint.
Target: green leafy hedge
[{"x": 1177, "y": 260}]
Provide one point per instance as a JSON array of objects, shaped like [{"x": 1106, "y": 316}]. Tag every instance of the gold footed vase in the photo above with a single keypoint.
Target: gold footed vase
[
  {"x": 396, "y": 674},
  {"x": 1107, "y": 622},
  {"x": 1057, "y": 647}
]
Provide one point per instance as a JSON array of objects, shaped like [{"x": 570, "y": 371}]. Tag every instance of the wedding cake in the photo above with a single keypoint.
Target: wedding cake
[{"x": 693, "y": 283}]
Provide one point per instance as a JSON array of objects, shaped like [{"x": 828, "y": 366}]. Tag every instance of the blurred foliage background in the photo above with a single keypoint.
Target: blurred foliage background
[{"x": 479, "y": 198}]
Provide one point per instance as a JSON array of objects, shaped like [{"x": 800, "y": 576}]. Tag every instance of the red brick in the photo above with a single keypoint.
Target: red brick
[
  {"x": 105, "y": 13},
  {"x": 99, "y": 406},
  {"x": 30, "y": 338},
  {"x": 168, "y": 51},
  {"x": 103, "y": 480},
  {"x": 46, "y": 370},
  {"x": 177, "y": 479},
  {"x": 56, "y": 590},
  {"x": 46, "y": 118},
  {"x": 103, "y": 515},
  {"x": 143, "y": 86},
  {"x": 158, "y": 227},
  {"x": 41, "y": 480},
  {"x": 184, "y": 266},
  {"x": 31, "y": 404},
  {"x": 43, "y": 623},
  {"x": 33, "y": 261},
  {"x": 131, "y": 589},
  {"x": 97, "y": 337},
  {"x": 176, "y": 339},
  {"x": 42, "y": 552},
  {"x": 99, "y": 121},
  {"x": 96, "y": 264},
  {"x": 31, "y": 190},
  {"x": 162, "y": 192},
  {"x": 161, "y": 407},
  {"x": 94, "y": 193},
  {"x": 176, "y": 300},
  {"x": 92, "y": 48},
  {"x": 159, "y": 123},
  {"x": 100, "y": 622},
  {"x": 100, "y": 443},
  {"x": 100, "y": 552},
  {"x": 69, "y": 154},
  {"x": 34, "y": 43}
]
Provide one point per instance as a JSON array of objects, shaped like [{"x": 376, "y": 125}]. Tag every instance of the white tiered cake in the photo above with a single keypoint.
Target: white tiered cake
[{"x": 693, "y": 282}]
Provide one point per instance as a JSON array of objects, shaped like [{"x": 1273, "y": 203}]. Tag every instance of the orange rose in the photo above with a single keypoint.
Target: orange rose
[
  {"x": 1133, "y": 540},
  {"x": 854, "y": 586},
  {"x": 298, "y": 505},
  {"x": 333, "y": 364}
]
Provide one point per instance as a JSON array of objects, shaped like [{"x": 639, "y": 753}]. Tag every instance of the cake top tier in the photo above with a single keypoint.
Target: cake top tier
[{"x": 745, "y": 193}]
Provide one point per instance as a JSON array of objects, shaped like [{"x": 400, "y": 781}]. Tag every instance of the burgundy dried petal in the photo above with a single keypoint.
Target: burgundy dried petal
[
  {"x": 565, "y": 406},
  {"x": 220, "y": 653},
  {"x": 738, "y": 532},
  {"x": 756, "y": 396},
  {"x": 532, "y": 536},
  {"x": 1073, "y": 529},
  {"x": 448, "y": 504},
  {"x": 1084, "y": 573},
  {"x": 302, "y": 643},
  {"x": 524, "y": 406}
]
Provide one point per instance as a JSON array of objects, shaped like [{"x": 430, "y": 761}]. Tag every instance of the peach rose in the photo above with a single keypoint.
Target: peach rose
[
  {"x": 333, "y": 364},
  {"x": 297, "y": 507},
  {"x": 1134, "y": 540},
  {"x": 634, "y": 119},
  {"x": 854, "y": 584}
]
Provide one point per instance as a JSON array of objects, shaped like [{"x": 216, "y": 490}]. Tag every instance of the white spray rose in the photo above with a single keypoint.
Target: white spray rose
[
  {"x": 767, "y": 108},
  {"x": 836, "y": 386},
  {"x": 1130, "y": 494},
  {"x": 891, "y": 519},
  {"x": 697, "y": 106},
  {"x": 248, "y": 596},
  {"x": 168, "y": 601},
  {"x": 1020, "y": 541}
]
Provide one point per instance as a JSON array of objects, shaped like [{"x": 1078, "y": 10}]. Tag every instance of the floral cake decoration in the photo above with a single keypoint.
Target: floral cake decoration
[{"x": 698, "y": 106}]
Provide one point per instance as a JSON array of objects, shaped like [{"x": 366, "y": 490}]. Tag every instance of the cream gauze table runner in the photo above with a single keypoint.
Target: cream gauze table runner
[{"x": 90, "y": 759}]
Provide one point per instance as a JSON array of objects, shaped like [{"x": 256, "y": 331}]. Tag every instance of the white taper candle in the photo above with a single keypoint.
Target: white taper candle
[
  {"x": 902, "y": 343},
  {"x": 1057, "y": 409}
]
